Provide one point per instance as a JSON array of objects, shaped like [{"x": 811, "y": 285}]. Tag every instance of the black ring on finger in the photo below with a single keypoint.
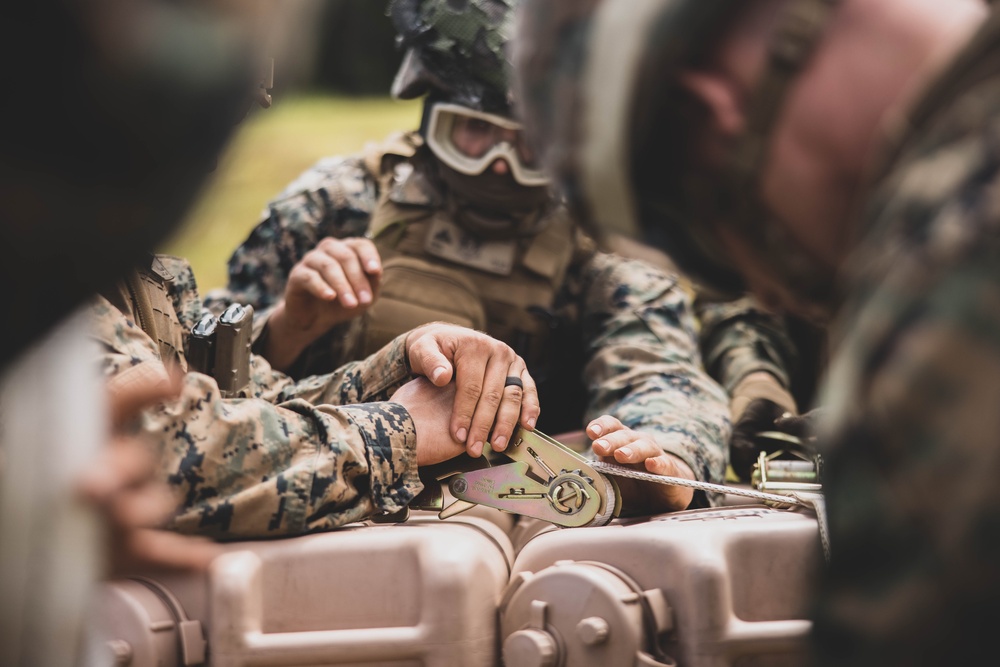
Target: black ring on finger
[{"x": 513, "y": 381}]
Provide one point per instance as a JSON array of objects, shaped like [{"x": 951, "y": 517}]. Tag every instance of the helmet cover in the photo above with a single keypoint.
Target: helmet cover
[{"x": 455, "y": 51}]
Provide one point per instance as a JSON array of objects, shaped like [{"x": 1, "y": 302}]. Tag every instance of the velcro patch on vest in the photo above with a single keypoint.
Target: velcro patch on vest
[{"x": 449, "y": 241}]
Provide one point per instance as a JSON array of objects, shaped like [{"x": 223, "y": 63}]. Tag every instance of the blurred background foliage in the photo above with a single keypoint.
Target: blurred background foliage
[{"x": 334, "y": 63}]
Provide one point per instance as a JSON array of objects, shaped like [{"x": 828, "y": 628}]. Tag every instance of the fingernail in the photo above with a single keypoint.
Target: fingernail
[
  {"x": 499, "y": 443},
  {"x": 438, "y": 374},
  {"x": 350, "y": 301},
  {"x": 601, "y": 445},
  {"x": 626, "y": 452},
  {"x": 365, "y": 297},
  {"x": 462, "y": 433},
  {"x": 477, "y": 449},
  {"x": 372, "y": 265},
  {"x": 329, "y": 294},
  {"x": 596, "y": 429},
  {"x": 531, "y": 423}
]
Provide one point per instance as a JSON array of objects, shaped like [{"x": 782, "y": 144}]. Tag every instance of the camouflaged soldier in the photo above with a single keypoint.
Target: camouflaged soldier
[
  {"x": 288, "y": 457},
  {"x": 461, "y": 226},
  {"x": 843, "y": 157}
]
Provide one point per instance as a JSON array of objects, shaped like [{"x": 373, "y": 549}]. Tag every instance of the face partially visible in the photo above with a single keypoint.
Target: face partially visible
[
  {"x": 475, "y": 137},
  {"x": 789, "y": 262}
]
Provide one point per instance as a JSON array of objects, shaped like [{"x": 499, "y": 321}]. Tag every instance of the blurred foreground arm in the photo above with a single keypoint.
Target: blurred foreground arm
[{"x": 122, "y": 485}]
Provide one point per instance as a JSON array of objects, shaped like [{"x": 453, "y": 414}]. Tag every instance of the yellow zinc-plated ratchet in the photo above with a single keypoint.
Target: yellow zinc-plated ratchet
[
  {"x": 545, "y": 480},
  {"x": 549, "y": 481}
]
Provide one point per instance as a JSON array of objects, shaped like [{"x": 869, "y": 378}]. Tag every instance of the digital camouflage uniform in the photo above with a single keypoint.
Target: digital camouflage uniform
[
  {"x": 738, "y": 338},
  {"x": 914, "y": 380},
  {"x": 282, "y": 462},
  {"x": 622, "y": 338}
]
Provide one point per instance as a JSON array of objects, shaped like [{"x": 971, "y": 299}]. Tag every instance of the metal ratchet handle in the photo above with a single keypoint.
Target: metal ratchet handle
[
  {"x": 545, "y": 480},
  {"x": 567, "y": 499},
  {"x": 616, "y": 470},
  {"x": 605, "y": 485}
]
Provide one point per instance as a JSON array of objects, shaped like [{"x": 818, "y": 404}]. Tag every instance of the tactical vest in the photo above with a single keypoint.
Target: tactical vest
[
  {"x": 433, "y": 270},
  {"x": 143, "y": 297}
]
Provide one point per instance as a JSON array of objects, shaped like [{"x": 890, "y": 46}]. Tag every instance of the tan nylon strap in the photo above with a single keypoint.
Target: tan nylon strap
[
  {"x": 143, "y": 304},
  {"x": 795, "y": 40}
]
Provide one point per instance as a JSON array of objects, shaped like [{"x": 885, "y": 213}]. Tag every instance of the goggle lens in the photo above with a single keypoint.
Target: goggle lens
[
  {"x": 469, "y": 141},
  {"x": 475, "y": 137}
]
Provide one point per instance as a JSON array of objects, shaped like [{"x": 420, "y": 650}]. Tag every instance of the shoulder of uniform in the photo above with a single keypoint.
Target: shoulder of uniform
[
  {"x": 177, "y": 272},
  {"x": 172, "y": 264},
  {"x": 628, "y": 280},
  {"x": 336, "y": 170},
  {"x": 340, "y": 183},
  {"x": 381, "y": 157}
]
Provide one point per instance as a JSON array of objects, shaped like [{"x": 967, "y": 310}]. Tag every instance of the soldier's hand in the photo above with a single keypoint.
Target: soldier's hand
[
  {"x": 430, "y": 410},
  {"x": 485, "y": 402},
  {"x": 805, "y": 426},
  {"x": 334, "y": 282},
  {"x": 121, "y": 485},
  {"x": 757, "y": 401},
  {"x": 616, "y": 443}
]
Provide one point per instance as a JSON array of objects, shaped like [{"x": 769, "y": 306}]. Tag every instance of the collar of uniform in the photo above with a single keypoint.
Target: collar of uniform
[
  {"x": 408, "y": 193},
  {"x": 412, "y": 185},
  {"x": 406, "y": 167}
]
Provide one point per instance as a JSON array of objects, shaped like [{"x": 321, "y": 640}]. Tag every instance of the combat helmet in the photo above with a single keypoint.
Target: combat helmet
[
  {"x": 455, "y": 57},
  {"x": 454, "y": 50},
  {"x": 593, "y": 79}
]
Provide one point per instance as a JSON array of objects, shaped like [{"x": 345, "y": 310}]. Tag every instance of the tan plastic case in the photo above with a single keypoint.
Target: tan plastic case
[
  {"x": 726, "y": 587},
  {"x": 703, "y": 588},
  {"x": 420, "y": 593}
]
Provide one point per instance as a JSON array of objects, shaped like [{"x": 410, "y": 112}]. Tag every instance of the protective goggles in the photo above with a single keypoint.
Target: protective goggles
[{"x": 469, "y": 141}]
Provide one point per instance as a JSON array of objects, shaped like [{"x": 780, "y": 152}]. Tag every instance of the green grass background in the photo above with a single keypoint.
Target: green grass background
[{"x": 271, "y": 148}]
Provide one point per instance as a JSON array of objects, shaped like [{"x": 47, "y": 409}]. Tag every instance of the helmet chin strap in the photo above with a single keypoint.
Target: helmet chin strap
[{"x": 798, "y": 34}]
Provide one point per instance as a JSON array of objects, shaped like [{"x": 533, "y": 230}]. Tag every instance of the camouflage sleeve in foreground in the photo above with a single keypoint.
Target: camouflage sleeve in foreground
[
  {"x": 912, "y": 474},
  {"x": 738, "y": 338},
  {"x": 248, "y": 468},
  {"x": 335, "y": 198},
  {"x": 913, "y": 457},
  {"x": 644, "y": 366}
]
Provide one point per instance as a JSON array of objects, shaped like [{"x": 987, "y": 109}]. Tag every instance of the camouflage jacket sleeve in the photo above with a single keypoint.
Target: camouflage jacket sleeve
[
  {"x": 912, "y": 454},
  {"x": 335, "y": 197},
  {"x": 285, "y": 462},
  {"x": 912, "y": 465},
  {"x": 738, "y": 338},
  {"x": 644, "y": 366}
]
